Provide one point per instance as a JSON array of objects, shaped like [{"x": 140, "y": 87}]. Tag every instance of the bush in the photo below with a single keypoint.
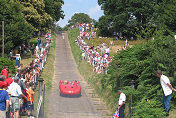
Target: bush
[
  {"x": 9, "y": 63},
  {"x": 148, "y": 109},
  {"x": 140, "y": 63}
]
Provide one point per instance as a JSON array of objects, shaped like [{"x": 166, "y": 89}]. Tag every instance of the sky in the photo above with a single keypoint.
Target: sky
[{"x": 71, "y": 7}]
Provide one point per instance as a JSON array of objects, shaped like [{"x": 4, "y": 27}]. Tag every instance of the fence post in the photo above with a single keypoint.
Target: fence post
[
  {"x": 43, "y": 115},
  {"x": 40, "y": 94},
  {"x": 131, "y": 99}
]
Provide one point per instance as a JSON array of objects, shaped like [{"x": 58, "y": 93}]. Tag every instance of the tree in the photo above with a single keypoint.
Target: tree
[
  {"x": 17, "y": 30},
  {"x": 41, "y": 14},
  {"x": 104, "y": 26},
  {"x": 53, "y": 8},
  {"x": 79, "y": 18},
  {"x": 140, "y": 17},
  {"x": 166, "y": 12},
  {"x": 35, "y": 15}
]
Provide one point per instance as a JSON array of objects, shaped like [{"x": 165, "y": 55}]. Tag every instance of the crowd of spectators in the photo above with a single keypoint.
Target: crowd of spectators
[
  {"x": 87, "y": 31},
  {"x": 17, "y": 91},
  {"x": 99, "y": 61}
]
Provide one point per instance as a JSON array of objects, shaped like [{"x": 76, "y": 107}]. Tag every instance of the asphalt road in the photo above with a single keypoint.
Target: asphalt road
[{"x": 65, "y": 69}]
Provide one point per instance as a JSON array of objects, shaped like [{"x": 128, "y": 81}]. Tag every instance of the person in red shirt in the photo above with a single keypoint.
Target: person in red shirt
[
  {"x": 9, "y": 80},
  {"x": 5, "y": 71}
]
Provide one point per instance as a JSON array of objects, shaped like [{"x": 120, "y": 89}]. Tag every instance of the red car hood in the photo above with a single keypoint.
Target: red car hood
[{"x": 70, "y": 89}]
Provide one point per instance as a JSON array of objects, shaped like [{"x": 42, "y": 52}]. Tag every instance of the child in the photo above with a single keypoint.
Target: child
[
  {"x": 30, "y": 99},
  {"x": 4, "y": 99}
]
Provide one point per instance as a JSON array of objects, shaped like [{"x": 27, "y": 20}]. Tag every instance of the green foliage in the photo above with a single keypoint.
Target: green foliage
[
  {"x": 22, "y": 18},
  {"x": 166, "y": 15},
  {"x": 139, "y": 18},
  {"x": 148, "y": 109},
  {"x": 103, "y": 25},
  {"x": 9, "y": 63},
  {"x": 73, "y": 36},
  {"x": 17, "y": 30},
  {"x": 140, "y": 63},
  {"x": 41, "y": 14},
  {"x": 35, "y": 15},
  {"x": 53, "y": 8},
  {"x": 80, "y": 18}
]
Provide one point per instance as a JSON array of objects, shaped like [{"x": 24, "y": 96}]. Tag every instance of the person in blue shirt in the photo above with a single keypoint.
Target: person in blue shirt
[
  {"x": 18, "y": 58},
  {"x": 4, "y": 100}
]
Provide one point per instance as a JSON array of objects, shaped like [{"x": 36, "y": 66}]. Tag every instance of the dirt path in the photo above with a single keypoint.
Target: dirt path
[{"x": 65, "y": 107}]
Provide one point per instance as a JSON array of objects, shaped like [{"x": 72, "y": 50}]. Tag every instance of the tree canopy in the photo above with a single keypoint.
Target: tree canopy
[
  {"x": 41, "y": 14},
  {"x": 80, "y": 18},
  {"x": 53, "y": 8},
  {"x": 17, "y": 30},
  {"x": 24, "y": 17},
  {"x": 139, "y": 17}
]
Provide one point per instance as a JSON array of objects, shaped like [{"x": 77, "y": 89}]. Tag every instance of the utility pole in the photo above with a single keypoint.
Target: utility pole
[{"x": 2, "y": 38}]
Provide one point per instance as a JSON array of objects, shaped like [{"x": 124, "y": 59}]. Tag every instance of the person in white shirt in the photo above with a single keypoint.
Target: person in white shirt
[
  {"x": 107, "y": 51},
  {"x": 167, "y": 89},
  {"x": 15, "y": 92},
  {"x": 121, "y": 106}
]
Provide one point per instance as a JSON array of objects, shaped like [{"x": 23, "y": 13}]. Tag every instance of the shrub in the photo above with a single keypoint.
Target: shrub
[
  {"x": 140, "y": 63},
  {"x": 9, "y": 63}
]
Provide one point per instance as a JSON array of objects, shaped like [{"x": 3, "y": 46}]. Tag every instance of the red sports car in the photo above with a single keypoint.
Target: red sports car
[{"x": 70, "y": 88}]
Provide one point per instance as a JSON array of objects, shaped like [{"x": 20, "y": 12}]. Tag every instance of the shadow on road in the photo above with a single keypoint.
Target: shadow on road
[{"x": 71, "y": 96}]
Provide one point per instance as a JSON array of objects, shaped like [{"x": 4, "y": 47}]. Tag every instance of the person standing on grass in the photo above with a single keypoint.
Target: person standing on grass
[
  {"x": 11, "y": 55},
  {"x": 111, "y": 43},
  {"x": 15, "y": 92},
  {"x": 121, "y": 106},
  {"x": 18, "y": 59},
  {"x": 30, "y": 99},
  {"x": 107, "y": 51},
  {"x": 126, "y": 43},
  {"x": 167, "y": 89}
]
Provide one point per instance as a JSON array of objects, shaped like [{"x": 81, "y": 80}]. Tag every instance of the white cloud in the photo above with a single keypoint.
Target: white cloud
[{"x": 94, "y": 10}]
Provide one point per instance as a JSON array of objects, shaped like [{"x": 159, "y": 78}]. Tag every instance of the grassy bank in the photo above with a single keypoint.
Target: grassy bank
[{"x": 86, "y": 71}]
